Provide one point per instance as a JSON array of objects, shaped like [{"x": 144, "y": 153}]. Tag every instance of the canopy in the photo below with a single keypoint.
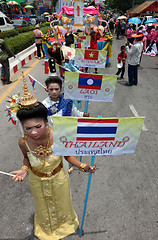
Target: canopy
[
  {"x": 29, "y": 6},
  {"x": 12, "y": 3},
  {"x": 134, "y": 20},
  {"x": 144, "y": 7},
  {"x": 121, "y": 17},
  {"x": 18, "y": 1},
  {"x": 70, "y": 10},
  {"x": 152, "y": 20}
]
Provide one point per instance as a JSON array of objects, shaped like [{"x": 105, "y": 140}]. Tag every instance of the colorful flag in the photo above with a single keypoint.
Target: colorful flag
[
  {"x": 90, "y": 81},
  {"x": 60, "y": 71},
  {"x": 95, "y": 136},
  {"x": 86, "y": 40},
  {"x": 92, "y": 55},
  {"x": 78, "y": 45},
  {"x": 92, "y": 87},
  {"x": 96, "y": 129},
  {"x": 32, "y": 80},
  {"x": 90, "y": 58}
]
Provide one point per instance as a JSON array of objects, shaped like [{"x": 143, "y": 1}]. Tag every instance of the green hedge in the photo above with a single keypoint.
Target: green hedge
[{"x": 22, "y": 40}]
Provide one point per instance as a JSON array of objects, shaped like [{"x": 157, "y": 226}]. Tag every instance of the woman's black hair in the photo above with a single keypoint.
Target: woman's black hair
[
  {"x": 54, "y": 79},
  {"x": 39, "y": 111},
  {"x": 69, "y": 39}
]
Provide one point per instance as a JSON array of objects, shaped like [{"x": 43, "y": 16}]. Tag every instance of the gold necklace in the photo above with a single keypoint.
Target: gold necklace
[{"x": 42, "y": 152}]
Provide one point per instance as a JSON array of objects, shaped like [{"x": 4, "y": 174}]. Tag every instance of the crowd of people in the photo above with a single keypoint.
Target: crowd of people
[{"x": 55, "y": 217}]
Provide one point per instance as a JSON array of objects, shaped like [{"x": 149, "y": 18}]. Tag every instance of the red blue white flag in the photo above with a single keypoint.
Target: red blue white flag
[
  {"x": 96, "y": 129},
  {"x": 32, "y": 80},
  {"x": 89, "y": 81}
]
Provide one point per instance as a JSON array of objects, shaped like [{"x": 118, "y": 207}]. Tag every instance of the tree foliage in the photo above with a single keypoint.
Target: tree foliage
[{"x": 123, "y": 5}]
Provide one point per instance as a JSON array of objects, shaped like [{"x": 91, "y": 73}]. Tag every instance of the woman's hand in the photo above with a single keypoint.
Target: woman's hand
[
  {"x": 19, "y": 175},
  {"x": 89, "y": 168}
]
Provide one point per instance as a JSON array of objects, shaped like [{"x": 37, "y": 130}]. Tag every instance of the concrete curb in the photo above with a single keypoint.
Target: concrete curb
[{"x": 22, "y": 58}]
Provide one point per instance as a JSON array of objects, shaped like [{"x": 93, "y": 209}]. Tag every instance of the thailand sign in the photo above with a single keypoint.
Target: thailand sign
[
  {"x": 90, "y": 58},
  {"x": 92, "y": 87},
  {"x": 95, "y": 136}
]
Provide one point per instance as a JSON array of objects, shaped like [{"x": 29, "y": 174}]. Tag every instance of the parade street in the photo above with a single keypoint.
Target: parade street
[{"x": 123, "y": 197}]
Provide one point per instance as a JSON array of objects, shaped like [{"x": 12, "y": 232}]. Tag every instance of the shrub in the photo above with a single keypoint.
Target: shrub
[{"x": 23, "y": 40}]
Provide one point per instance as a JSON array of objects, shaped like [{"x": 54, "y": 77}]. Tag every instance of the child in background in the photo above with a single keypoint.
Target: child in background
[
  {"x": 58, "y": 106},
  {"x": 122, "y": 56}
]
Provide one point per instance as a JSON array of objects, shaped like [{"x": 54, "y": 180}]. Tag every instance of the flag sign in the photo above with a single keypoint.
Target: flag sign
[
  {"x": 92, "y": 87},
  {"x": 60, "y": 72},
  {"x": 96, "y": 129},
  {"x": 90, "y": 58},
  {"x": 90, "y": 81},
  {"x": 32, "y": 80},
  {"x": 91, "y": 54},
  {"x": 86, "y": 40},
  {"x": 78, "y": 45},
  {"x": 93, "y": 136}
]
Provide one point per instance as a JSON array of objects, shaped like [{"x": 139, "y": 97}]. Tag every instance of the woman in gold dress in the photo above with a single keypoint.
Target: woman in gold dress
[{"x": 55, "y": 217}]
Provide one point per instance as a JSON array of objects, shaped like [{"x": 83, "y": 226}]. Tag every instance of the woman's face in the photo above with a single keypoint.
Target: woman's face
[
  {"x": 54, "y": 91},
  {"x": 34, "y": 127}
]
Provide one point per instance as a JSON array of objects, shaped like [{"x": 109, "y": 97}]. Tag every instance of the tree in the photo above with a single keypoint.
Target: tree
[{"x": 122, "y": 4}]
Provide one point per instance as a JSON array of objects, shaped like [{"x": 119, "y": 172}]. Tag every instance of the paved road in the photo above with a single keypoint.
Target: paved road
[{"x": 123, "y": 196}]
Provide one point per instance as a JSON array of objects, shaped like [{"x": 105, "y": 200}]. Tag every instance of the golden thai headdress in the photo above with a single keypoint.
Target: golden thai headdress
[{"x": 16, "y": 102}]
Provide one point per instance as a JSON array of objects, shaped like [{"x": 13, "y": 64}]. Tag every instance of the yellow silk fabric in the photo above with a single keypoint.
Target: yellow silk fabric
[{"x": 55, "y": 217}]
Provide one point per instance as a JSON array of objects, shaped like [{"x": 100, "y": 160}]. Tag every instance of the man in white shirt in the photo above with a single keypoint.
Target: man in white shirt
[{"x": 134, "y": 53}]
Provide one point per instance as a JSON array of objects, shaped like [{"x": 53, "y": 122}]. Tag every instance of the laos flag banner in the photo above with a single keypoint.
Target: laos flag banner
[
  {"x": 95, "y": 136},
  {"x": 92, "y": 87},
  {"x": 90, "y": 58}
]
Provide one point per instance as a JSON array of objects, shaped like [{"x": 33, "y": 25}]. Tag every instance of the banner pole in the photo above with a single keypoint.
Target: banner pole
[
  {"x": 86, "y": 111},
  {"x": 87, "y": 194}
]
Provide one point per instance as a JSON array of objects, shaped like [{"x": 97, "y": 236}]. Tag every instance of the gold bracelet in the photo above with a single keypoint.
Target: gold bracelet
[
  {"x": 25, "y": 168},
  {"x": 82, "y": 166}
]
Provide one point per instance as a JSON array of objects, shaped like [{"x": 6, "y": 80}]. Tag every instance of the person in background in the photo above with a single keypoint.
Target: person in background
[
  {"x": 93, "y": 43},
  {"x": 123, "y": 28},
  {"x": 119, "y": 25},
  {"x": 130, "y": 39},
  {"x": 111, "y": 25},
  {"x": 122, "y": 56},
  {"x": 5, "y": 53},
  {"x": 38, "y": 41},
  {"x": 134, "y": 53}
]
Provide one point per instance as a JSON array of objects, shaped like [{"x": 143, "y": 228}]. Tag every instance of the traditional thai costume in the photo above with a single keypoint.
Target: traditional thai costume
[{"x": 55, "y": 217}]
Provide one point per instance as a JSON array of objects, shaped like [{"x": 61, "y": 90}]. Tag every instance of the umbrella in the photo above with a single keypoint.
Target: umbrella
[
  {"x": 12, "y": 3},
  {"x": 151, "y": 20},
  {"x": 134, "y": 20},
  {"x": 121, "y": 17},
  {"x": 46, "y": 13},
  {"x": 29, "y": 6}
]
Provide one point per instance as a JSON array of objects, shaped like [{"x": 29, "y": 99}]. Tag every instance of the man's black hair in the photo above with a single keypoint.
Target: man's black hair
[{"x": 53, "y": 79}]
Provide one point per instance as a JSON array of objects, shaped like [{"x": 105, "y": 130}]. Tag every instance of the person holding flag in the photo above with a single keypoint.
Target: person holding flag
[
  {"x": 55, "y": 217},
  {"x": 57, "y": 105},
  {"x": 93, "y": 43}
]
